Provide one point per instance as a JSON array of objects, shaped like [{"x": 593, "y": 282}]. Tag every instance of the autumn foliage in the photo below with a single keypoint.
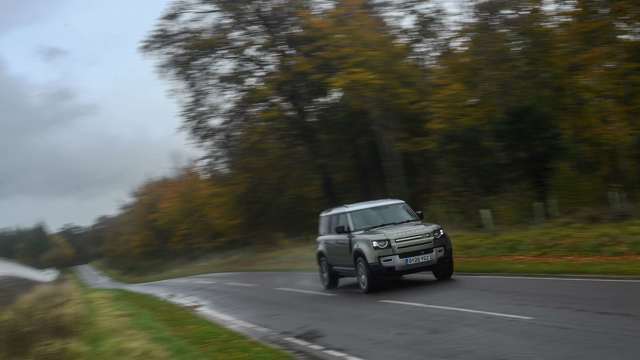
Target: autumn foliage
[{"x": 302, "y": 105}]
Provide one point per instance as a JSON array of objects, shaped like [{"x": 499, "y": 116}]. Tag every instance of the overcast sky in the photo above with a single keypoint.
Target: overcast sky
[{"x": 84, "y": 118}]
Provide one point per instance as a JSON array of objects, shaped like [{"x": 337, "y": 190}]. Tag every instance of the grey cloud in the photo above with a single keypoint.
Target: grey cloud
[
  {"x": 28, "y": 111},
  {"x": 55, "y": 149},
  {"x": 16, "y": 13},
  {"x": 51, "y": 53}
]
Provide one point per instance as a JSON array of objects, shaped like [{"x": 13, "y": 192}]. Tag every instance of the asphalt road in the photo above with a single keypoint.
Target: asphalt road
[
  {"x": 419, "y": 318},
  {"x": 9, "y": 268}
]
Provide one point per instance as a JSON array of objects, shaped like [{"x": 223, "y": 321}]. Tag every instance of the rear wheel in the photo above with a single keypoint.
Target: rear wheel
[
  {"x": 443, "y": 270},
  {"x": 328, "y": 277},
  {"x": 366, "y": 281}
]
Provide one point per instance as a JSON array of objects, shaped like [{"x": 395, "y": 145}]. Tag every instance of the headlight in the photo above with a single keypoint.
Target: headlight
[
  {"x": 438, "y": 233},
  {"x": 380, "y": 244}
]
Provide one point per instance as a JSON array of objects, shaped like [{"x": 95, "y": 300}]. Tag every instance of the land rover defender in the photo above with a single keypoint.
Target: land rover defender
[{"x": 381, "y": 238}]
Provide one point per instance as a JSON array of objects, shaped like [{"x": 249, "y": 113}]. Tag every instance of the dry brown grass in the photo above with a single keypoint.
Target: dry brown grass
[{"x": 43, "y": 324}]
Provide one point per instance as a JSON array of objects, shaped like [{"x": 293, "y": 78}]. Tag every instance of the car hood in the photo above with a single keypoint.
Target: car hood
[{"x": 393, "y": 232}]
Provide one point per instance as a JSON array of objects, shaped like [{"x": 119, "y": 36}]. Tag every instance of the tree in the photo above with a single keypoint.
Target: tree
[{"x": 60, "y": 254}]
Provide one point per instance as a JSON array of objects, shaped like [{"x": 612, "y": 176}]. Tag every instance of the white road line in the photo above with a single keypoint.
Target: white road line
[
  {"x": 240, "y": 284},
  {"x": 246, "y": 324},
  {"x": 205, "y": 282},
  {"x": 457, "y": 309},
  {"x": 305, "y": 291},
  {"x": 316, "y": 347},
  {"x": 335, "y": 353},
  {"x": 549, "y": 278},
  {"x": 297, "y": 341}
]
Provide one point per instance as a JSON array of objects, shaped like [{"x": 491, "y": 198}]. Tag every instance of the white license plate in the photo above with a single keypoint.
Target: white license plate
[{"x": 418, "y": 259}]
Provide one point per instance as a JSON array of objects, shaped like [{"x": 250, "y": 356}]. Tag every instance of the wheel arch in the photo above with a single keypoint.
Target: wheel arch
[
  {"x": 321, "y": 254},
  {"x": 358, "y": 253}
]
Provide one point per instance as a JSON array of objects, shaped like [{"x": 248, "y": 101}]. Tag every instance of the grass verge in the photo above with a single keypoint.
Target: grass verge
[
  {"x": 67, "y": 321},
  {"x": 555, "y": 248}
]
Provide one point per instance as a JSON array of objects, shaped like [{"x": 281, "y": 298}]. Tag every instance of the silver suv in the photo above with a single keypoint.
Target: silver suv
[{"x": 373, "y": 239}]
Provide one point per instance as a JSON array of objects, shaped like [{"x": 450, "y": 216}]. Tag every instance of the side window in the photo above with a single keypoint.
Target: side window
[
  {"x": 332, "y": 224},
  {"x": 323, "y": 226},
  {"x": 342, "y": 221}
]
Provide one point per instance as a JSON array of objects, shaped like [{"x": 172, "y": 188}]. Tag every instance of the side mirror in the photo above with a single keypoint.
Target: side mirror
[
  {"x": 420, "y": 215},
  {"x": 342, "y": 229}
]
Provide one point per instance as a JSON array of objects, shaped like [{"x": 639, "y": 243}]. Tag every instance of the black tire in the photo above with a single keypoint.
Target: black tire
[
  {"x": 328, "y": 278},
  {"x": 366, "y": 280},
  {"x": 443, "y": 270}
]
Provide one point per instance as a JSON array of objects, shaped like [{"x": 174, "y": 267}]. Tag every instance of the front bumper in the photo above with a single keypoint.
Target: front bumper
[{"x": 394, "y": 264}]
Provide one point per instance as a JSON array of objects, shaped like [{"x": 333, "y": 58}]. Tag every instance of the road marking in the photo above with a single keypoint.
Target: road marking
[
  {"x": 240, "y": 284},
  {"x": 305, "y": 291},
  {"x": 335, "y": 353},
  {"x": 316, "y": 347},
  {"x": 297, "y": 341},
  {"x": 457, "y": 309},
  {"x": 549, "y": 278},
  {"x": 205, "y": 282}
]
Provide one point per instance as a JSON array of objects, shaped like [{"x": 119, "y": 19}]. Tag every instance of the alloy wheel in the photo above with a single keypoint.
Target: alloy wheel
[{"x": 362, "y": 275}]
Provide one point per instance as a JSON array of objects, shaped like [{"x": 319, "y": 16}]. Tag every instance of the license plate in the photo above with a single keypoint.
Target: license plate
[{"x": 418, "y": 259}]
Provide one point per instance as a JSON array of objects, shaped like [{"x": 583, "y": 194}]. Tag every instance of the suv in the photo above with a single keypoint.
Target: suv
[{"x": 373, "y": 239}]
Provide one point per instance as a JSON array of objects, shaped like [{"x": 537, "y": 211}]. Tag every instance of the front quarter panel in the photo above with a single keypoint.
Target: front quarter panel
[{"x": 362, "y": 245}]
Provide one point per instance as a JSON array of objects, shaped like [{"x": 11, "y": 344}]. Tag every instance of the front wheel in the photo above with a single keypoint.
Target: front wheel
[
  {"x": 328, "y": 278},
  {"x": 366, "y": 281},
  {"x": 443, "y": 270}
]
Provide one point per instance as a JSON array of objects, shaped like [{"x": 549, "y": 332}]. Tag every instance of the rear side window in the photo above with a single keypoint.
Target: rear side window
[
  {"x": 323, "y": 227},
  {"x": 328, "y": 224},
  {"x": 342, "y": 221},
  {"x": 332, "y": 224}
]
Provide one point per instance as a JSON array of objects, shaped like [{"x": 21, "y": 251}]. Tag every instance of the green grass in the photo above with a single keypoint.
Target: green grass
[
  {"x": 607, "y": 266},
  {"x": 68, "y": 321},
  {"x": 168, "y": 331},
  {"x": 554, "y": 248},
  {"x": 555, "y": 239}
]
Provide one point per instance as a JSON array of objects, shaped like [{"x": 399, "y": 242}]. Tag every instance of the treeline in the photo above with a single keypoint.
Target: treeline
[
  {"x": 35, "y": 246},
  {"x": 307, "y": 104},
  {"x": 302, "y": 105}
]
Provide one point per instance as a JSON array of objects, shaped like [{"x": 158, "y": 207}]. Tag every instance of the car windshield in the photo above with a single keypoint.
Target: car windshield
[{"x": 381, "y": 216}]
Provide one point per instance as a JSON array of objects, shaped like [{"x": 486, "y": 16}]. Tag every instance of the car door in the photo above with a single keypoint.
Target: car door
[
  {"x": 342, "y": 250},
  {"x": 329, "y": 239}
]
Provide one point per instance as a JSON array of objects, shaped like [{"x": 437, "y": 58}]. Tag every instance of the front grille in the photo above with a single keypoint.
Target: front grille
[
  {"x": 414, "y": 240},
  {"x": 412, "y": 237},
  {"x": 403, "y": 246},
  {"x": 416, "y": 253}
]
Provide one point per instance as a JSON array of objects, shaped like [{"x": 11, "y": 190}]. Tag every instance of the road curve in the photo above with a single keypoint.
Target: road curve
[
  {"x": 470, "y": 317},
  {"x": 13, "y": 269}
]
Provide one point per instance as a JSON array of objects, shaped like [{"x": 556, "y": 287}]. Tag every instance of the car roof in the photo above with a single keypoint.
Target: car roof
[{"x": 360, "y": 206}]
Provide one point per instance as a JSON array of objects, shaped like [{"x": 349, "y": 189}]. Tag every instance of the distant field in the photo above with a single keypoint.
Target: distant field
[
  {"x": 590, "y": 249},
  {"x": 66, "y": 321}
]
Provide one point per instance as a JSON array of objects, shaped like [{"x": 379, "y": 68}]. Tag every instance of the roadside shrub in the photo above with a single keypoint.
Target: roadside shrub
[{"x": 43, "y": 324}]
